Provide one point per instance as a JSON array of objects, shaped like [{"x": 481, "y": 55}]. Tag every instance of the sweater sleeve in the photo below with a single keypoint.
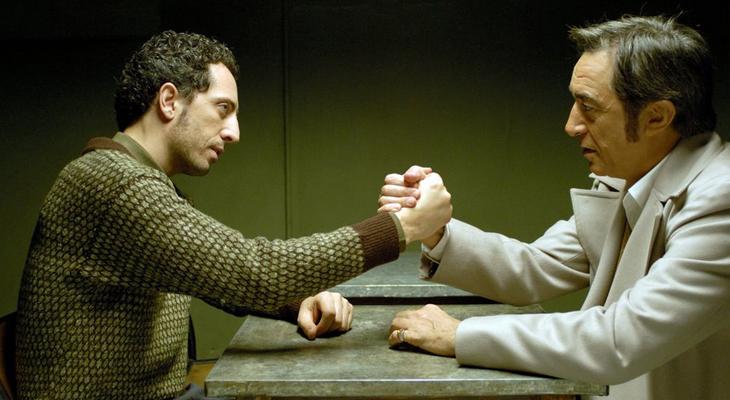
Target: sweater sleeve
[{"x": 149, "y": 237}]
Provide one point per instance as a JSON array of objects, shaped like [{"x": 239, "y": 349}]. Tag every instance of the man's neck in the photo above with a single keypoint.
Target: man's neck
[
  {"x": 151, "y": 139},
  {"x": 664, "y": 145}
]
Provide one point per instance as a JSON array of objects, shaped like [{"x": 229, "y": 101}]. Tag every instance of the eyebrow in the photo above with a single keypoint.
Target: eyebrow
[{"x": 583, "y": 96}]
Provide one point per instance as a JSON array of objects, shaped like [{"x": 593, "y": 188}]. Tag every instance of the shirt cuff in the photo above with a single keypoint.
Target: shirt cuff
[
  {"x": 431, "y": 258},
  {"x": 437, "y": 251}
]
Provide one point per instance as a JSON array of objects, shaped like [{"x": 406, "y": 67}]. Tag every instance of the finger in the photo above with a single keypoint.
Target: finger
[
  {"x": 394, "y": 179},
  {"x": 409, "y": 202},
  {"x": 393, "y": 338},
  {"x": 346, "y": 315},
  {"x": 399, "y": 191},
  {"x": 400, "y": 336},
  {"x": 339, "y": 312},
  {"x": 415, "y": 174},
  {"x": 392, "y": 207},
  {"x": 307, "y": 317},
  {"x": 395, "y": 327},
  {"x": 329, "y": 312}
]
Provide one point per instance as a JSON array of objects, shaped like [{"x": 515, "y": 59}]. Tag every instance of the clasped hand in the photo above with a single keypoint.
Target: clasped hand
[
  {"x": 420, "y": 201},
  {"x": 423, "y": 205}
]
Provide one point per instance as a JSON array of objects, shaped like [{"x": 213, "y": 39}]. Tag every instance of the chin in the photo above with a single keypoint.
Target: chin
[
  {"x": 198, "y": 171},
  {"x": 596, "y": 171}
]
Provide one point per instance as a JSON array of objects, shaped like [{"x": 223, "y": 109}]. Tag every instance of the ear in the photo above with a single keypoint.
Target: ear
[
  {"x": 657, "y": 116},
  {"x": 166, "y": 101}
]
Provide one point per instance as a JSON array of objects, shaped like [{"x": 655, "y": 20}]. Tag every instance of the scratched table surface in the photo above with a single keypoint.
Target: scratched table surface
[{"x": 269, "y": 358}]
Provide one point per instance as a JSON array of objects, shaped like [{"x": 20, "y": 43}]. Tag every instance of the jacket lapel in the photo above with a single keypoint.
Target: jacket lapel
[
  {"x": 594, "y": 215},
  {"x": 599, "y": 220},
  {"x": 604, "y": 267},
  {"x": 637, "y": 254}
]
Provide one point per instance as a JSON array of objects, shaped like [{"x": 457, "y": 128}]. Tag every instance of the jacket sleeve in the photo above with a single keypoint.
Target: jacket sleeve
[
  {"x": 149, "y": 237},
  {"x": 509, "y": 271},
  {"x": 683, "y": 300}
]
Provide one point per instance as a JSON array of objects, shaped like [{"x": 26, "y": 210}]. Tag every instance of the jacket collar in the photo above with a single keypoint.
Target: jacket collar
[
  {"x": 127, "y": 145},
  {"x": 136, "y": 150},
  {"x": 684, "y": 163},
  {"x": 673, "y": 165},
  {"x": 668, "y": 179}
]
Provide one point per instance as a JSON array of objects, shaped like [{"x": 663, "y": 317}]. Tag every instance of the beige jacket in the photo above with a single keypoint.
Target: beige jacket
[{"x": 656, "y": 320}]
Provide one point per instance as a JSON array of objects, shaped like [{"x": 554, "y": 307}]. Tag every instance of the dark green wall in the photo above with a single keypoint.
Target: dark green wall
[{"x": 334, "y": 95}]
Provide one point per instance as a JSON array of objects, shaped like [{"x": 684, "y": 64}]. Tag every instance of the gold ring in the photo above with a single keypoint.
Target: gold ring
[{"x": 402, "y": 335}]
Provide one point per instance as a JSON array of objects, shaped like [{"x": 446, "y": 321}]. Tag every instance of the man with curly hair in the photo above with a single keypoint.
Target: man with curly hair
[{"x": 118, "y": 252}]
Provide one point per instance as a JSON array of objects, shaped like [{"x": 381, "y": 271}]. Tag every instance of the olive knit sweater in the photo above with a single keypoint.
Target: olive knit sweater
[{"x": 117, "y": 254}]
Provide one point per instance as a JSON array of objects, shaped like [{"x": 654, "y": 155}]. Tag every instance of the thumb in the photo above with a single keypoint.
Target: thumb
[
  {"x": 431, "y": 183},
  {"x": 415, "y": 174}
]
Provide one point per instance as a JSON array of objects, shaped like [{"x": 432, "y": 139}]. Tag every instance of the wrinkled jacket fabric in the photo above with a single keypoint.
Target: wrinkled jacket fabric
[{"x": 656, "y": 320}]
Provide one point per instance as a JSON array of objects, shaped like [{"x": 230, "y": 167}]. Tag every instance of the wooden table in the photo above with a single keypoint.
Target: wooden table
[{"x": 270, "y": 359}]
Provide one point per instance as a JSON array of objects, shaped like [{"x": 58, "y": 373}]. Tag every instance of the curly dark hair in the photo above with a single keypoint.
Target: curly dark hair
[
  {"x": 179, "y": 58},
  {"x": 656, "y": 58}
]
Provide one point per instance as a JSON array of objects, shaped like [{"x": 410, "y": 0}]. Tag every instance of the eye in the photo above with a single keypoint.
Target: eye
[
  {"x": 585, "y": 107},
  {"x": 224, "y": 108}
]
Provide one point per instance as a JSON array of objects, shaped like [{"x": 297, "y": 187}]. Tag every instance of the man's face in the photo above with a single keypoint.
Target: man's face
[
  {"x": 206, "y": 124},
  {"x": 598, "y": 121}
]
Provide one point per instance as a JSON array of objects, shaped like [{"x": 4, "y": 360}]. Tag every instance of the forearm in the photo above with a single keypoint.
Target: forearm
[
  {"x": 173, "y": 247},
  {"x": 679, "y": 304},
  {"x": 508, "y": 270}
]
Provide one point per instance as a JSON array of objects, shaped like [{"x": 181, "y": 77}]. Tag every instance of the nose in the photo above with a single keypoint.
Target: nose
[
  {"x": 230, "y": 132},
  {"x": 575, "y": 126}
]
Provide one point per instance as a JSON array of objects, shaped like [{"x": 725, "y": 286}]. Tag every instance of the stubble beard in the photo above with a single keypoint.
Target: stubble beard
[{"x": 187, "y": 149}]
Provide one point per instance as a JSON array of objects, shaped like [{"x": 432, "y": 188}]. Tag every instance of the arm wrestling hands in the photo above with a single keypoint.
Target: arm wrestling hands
[
  {"x": 428, "y": 328},
  {"x": 420, "y": 201},
  {"x": 330, "y": 312},
  {"x": 427, "y": 209}
]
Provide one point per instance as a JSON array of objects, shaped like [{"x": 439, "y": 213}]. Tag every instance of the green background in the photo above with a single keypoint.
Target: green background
[{"x": 334, "y": 95}]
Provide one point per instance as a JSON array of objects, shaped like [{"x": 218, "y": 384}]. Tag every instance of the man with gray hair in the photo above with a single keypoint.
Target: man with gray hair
[{"x": 649, "y": 239}]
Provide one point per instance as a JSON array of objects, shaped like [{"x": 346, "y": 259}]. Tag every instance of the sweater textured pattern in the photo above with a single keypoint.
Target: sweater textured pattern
[{"x": 116, "y": 256}]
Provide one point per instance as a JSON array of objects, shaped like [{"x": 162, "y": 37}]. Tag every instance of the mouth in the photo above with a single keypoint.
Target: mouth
[
  {"x": 218, "y": 150},
  {"x": 586, "y": 151}
]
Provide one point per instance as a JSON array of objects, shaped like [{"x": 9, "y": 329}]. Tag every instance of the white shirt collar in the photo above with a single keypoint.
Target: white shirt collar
[{"x": 637, "y": 195}]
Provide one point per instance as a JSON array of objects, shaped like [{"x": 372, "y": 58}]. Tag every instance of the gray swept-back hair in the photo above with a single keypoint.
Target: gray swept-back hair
[{"x": 656, "y": 58}]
